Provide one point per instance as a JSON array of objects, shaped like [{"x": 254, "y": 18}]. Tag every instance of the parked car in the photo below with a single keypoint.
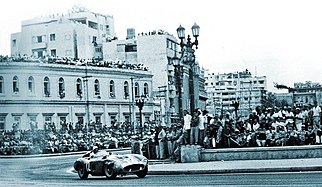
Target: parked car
[{"x": 111, "y": 165}]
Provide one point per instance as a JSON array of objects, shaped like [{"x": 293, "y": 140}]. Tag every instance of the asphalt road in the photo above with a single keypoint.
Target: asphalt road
[{"x": 58, "y": 171}]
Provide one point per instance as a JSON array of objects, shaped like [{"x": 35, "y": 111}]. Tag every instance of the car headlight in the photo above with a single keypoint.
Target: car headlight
[{"x": 145, "y": 161}]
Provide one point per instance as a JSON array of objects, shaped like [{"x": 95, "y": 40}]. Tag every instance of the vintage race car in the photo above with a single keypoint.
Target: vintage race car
[{"x": 110, "y": 165}]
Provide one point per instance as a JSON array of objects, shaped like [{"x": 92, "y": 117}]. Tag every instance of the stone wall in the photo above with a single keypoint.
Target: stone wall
[
  {"x": 190, "y": 153},
  {"x": 261, "y": 153}
]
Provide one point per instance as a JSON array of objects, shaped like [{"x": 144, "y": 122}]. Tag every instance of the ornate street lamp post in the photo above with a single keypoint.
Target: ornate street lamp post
[
  {"x": 140, "y": 103},
  {"x": 189, "y": 58},
  {"x": 178, "y": 72}
]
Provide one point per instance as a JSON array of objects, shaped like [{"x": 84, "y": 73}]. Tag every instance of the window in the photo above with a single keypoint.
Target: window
[
  {"x": 97, "y": 87},
  {"x": 146, "y": 89},
  {"x": 47, "y": 119},
  {"x": 46, "y": 87},
  {"x": 2, "y": 122},
  {"x": 15, "y": 85},
  {"x": 14, "y": 43},
  {"x": 61, "y": 87},
  {"x": 130, "y": 48},
  {"x": 120, "y": 47},
  {"x": 1, "y": 85},
  {"x": 136, "y": 90},
  {"x": 52, "y": 37},
  {"x": 31, "y": 84},
  {"x": 38, "y": 39},
  {"x": 33, "y": 121},
  {"x": 53, "y": 52},
  {"x": 98, "y": 119},
  {"x": 80, "y": 120},
  {"x": 112, "y": 89},
  {"x": 126, "y": 90},
  {"x": 79, "y": 87},
  {"x": 40, "y": 53},
  {"x": 98, "y": 49}
]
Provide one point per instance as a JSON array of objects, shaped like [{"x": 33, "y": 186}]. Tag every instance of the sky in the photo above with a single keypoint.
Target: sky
[{"x": 279, "y": 39}]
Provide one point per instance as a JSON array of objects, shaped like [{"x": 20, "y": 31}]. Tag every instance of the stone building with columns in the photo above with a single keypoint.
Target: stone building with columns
[{"x": 72, "y": 92}]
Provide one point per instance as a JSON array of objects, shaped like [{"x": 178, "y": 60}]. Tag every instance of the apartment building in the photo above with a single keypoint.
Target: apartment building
[{"x": 226, "y": 88}]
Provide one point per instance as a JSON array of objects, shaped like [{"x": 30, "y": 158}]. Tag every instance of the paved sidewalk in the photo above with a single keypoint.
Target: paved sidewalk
[{"x": 237, "y": 166}]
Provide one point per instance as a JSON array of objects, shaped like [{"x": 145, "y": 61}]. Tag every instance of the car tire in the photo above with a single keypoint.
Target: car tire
[
  {"x": 82, "y": 173},
  {"x": 142, "y": 173},
  {"x": 109, "y": 172}
]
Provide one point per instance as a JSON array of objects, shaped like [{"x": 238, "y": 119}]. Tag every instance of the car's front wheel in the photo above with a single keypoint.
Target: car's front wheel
[
  {"x": 82, "y": 173},
  {"x": 142, "y": 173},
  {"x": 109, "y": 172}
]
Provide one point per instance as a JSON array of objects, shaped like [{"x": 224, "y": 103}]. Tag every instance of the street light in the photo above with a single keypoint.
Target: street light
[
  {"x": 189, "y": 58},
  {"x": 139, "y": 101},
  {"x": 181, "y": 34}
]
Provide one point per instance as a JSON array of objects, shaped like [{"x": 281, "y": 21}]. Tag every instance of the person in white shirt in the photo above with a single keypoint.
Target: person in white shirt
[
  {"x": 316, "y": 115},
  {"x": 186, "y": 127}
]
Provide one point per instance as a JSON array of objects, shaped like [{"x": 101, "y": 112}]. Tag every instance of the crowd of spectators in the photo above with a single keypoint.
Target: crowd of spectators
[
  {"x": 74, "y": 61},
  {"x": 287, "y": 126},
  {"x": 68, "y": 138},
  {"x": 265, "y": 127}
]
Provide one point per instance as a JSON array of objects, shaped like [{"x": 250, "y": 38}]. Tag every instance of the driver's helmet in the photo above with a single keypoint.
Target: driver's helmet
[{"x": 95, "y": 149}]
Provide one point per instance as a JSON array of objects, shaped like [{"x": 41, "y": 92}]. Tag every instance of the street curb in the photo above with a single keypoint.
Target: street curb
[{"x": 241, "y": 170}]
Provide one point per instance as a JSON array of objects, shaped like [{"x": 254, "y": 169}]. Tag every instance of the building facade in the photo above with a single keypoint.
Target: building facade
[
  {"x": 82, "y": 34},
  {"x": 157, "y": 50},
  {"x": 302, "y": 94},
  {"x": 77, "y": 34},
  {"x": 225, "y": 89},
  {"x": 83, "y": 93}
]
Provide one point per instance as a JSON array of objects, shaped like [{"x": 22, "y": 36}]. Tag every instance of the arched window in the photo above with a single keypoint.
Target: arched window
[
  {"x": 97, "y": 87},
  {"x": 112, "y": 89},
  {"x": 61, "y": 87},
  {"x": 1, "y": 85},
  {"x": 146, "y": 89},
  {"x": 126, "y": 90},
  {"x": 15, "y": 85},
  {"x": 46, "y": 87},
  {"x": 31, "y": 84},
  {"x": 136, "y": 89},
  {"x": 79, "y": 90}
]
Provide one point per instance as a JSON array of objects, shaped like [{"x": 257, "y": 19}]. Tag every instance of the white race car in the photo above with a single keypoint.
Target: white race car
[{"x": 110, "y": 165}]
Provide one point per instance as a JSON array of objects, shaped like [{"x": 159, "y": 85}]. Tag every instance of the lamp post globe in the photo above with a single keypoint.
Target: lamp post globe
[
  {"x": 195, "y": 30},
  {"x": 181, "y": 32}
]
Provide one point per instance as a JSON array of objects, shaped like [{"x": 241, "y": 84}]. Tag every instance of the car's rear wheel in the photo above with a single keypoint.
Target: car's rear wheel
[
  {"x": 142, "y": 173},
  {"x": 82, "y": 173},
  {"x": 109, "y": 172}
]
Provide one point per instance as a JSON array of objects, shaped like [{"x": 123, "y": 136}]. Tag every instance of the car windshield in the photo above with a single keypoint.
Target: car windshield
[{"x": 101, "y": 153}]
